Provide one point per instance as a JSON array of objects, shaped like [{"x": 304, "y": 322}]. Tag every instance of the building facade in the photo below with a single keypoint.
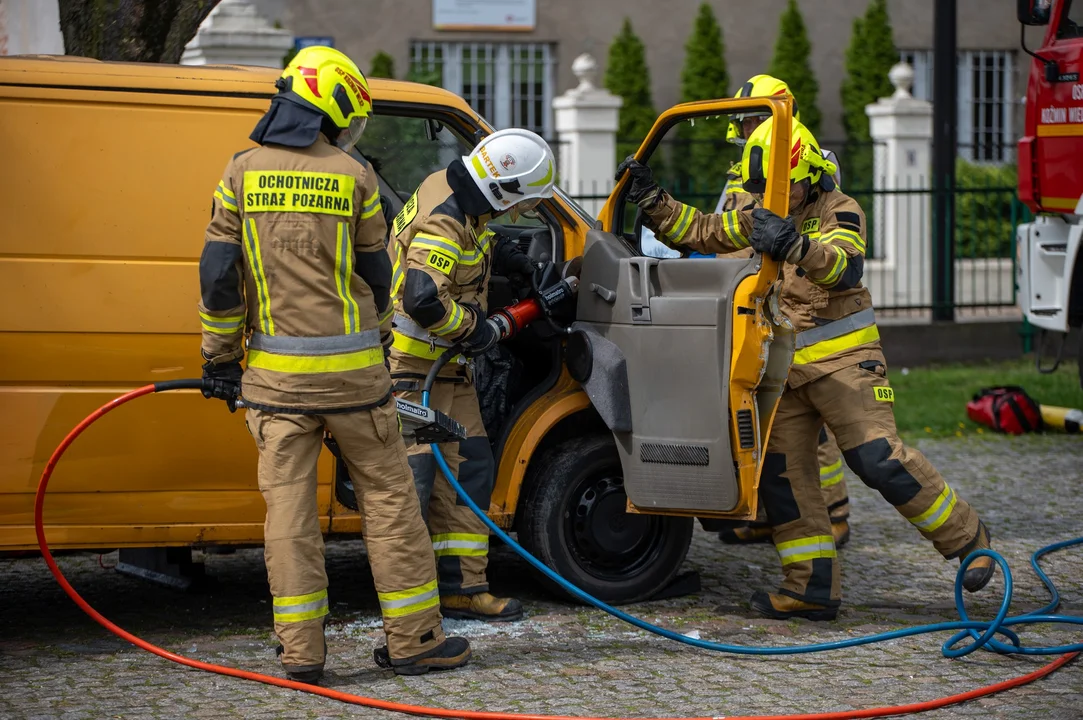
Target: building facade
[{"x": 510, "y": 74}]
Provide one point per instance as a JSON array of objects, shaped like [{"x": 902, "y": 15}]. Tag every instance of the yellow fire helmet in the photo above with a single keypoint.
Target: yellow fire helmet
[
  {"x": 332, "y": 83},
  {"x": 806, "y": 160},
  {"x": 757, "y": 86}
]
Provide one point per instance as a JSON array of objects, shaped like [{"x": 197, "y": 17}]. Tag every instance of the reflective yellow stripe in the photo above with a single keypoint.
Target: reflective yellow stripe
[
  {"x": 479, "y": 168},
  {"x": 417, "y": 348},
  {"x": 454, "y": 320},
  {"x": 226, "y": 191},
  {"x": 387, "y": 313},
  {"x": 300, "y": 607},
  {"x": 309, "y": 364},
  {"x": 846, "y": 236},
  {"x": 397, "y": 275},
  {"x": 836, "y": 271},
  {"x": 351, "y": 314},
  {"x": 811, "y": 548},
  {"x": 226, "y": 202},
  {"x": 820, "y": 350},
  {"x": 436, "y": 242},
  {"x": 680, "y": 228},
  {"x": 255, "y": 262},
  {"x": 222, "y": 325},
  {"x": 412, "y": 600},
  {"x": 371, "y": 206},
  {"x": 460, "y": 545},
  {"x": 831, "y": 474},
  {"x": 938, "y": 514},
  {"x": 732, "y": 225}
]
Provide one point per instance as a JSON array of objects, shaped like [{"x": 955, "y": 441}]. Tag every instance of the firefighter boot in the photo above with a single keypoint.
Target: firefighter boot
[
  {"x": 840, "y": 530},
  {"x": 783, "y": 607},
  {"x": 481, "y": 606},
  {"x": 746, "y": 533},
  {"x": 980, "y": 572},
  {"x": 452, "y": 653}
]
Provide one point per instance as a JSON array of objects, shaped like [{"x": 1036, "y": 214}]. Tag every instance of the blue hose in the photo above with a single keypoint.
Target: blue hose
[{"x": 981, "y": 633}]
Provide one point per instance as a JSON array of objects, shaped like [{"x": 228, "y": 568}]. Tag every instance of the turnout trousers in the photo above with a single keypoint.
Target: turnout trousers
[
  {"x": 395, "y": 537},
  {"x": 460, "y": 540},
  {"x": 856, "y": 404}
]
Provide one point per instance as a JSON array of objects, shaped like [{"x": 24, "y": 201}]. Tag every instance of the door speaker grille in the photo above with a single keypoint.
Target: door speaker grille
[{"x": 669, "y": 454}]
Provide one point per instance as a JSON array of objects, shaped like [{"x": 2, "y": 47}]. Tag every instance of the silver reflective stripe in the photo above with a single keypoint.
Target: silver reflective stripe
[
  {"x": 329, "y": 345},
  {"x": 460, "y": 545},
  {"x": 224, "y": 325},
  {"x": 412, "y": 600},
  {"x": 812, "y": 545},
  {"x": 408, "y": 328},
  {"x": 838, "y": 328},
  {"x": 301, "y": 607}
]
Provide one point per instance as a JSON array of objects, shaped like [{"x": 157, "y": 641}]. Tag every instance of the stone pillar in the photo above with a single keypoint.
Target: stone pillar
[
  {"x": 235, "y": 34},
  {"x": 586, "y": 123},
  {"x": 902, "y": 128},
  {"x": 30, "y": 27}
]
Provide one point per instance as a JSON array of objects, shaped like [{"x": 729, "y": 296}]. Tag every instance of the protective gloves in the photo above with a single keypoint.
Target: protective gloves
[
  {"x": 776, "y": 236},
  {"x": 223, "y": 381},
  {"x": 485, "y": 334},
  {"x": 644, "y": 191},
  {"x": 512, "y": 263}
]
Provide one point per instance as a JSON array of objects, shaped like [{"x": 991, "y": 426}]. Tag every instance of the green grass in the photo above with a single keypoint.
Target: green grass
[{"x": 931, "y": 401}]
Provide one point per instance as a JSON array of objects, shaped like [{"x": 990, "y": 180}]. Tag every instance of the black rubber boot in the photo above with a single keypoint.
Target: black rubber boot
[
  {"x": 980, "y": 572},
  {"x": 452, "y": 653},
  {"x": 309, "y": 675},
  {"x": 783, "y": 607},
  {"x": 746, "y": 534}
]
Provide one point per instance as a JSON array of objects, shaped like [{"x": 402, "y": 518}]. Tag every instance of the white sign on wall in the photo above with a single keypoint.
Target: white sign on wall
[{"x": 502, "y": 15}]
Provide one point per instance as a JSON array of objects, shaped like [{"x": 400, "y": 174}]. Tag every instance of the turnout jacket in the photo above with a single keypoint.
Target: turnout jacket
[
  {"x": 821, "y": 295},
  {"x": 294, "y": 263},
  {"x": 441, "y": 253}
]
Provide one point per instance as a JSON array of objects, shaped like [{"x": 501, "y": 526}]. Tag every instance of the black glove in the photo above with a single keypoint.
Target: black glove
[
  {"x": 223, "y": 381},
  {"x": 776, "y": 236},
  {"x": 512, "y": 263},
  {"x": 644, "y": 190},
  {"x": 486, "y": 333}
]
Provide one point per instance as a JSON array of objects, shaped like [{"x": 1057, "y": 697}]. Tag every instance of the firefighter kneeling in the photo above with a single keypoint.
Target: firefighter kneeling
[
  {"x": 309, "y": 283},
  {"x": 838, "y": 376}
]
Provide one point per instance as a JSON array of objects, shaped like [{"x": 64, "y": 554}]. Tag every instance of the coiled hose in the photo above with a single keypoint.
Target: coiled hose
[{"x": 175, "y": 385}]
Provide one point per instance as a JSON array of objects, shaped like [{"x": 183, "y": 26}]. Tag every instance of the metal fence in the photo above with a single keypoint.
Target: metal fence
[{"x": 900, "y": 263}]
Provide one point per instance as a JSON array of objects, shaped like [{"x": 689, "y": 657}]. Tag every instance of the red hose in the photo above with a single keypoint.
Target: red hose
[{"x": 39, "y": 503}]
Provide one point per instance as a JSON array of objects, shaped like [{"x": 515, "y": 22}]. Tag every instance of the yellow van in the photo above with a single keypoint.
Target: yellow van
[{"x": 654, "y": 412}]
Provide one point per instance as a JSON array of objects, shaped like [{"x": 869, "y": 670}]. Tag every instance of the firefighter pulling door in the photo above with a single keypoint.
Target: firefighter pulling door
[{"x": 682, "y": 358}]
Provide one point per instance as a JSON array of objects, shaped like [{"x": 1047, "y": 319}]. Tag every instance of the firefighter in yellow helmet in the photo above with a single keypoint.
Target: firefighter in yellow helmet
[
  {"x": 832, "y": 480},
  {"x": 443, "y": 256},
  {"x": 294, "y": 263},
  {"x": 838, "y": 376}
]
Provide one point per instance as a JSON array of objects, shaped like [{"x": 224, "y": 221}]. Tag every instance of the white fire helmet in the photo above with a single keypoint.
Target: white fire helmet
[{"x": 511, "y": 167}]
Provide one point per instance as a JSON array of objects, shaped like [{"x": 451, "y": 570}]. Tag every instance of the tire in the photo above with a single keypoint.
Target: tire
[{"x": 573, "y": 519}]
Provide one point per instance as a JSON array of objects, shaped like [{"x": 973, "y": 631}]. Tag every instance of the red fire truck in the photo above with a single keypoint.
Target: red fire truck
[{"x": 1050, "y": 249}]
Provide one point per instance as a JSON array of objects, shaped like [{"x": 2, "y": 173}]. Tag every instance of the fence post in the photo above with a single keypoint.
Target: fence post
[
  {"x": 586, "y": 119},
  {"x": 902, "y": 128},
  {"x": 945, "y": 122}
]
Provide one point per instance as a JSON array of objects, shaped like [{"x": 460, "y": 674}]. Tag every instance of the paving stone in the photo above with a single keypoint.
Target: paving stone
[{"x": 55, "y": 663}]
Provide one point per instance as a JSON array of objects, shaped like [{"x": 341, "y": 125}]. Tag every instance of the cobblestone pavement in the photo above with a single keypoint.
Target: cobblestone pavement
[{"x": 55, "y": 663}]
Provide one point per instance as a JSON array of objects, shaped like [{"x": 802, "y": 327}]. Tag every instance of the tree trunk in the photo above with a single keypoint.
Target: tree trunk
[{"x": 131, "y": 30}]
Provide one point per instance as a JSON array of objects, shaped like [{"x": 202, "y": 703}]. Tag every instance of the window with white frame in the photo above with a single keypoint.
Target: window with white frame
[
  {"x": 986, "y": 101},
  {"x": 509, "y": 84}
]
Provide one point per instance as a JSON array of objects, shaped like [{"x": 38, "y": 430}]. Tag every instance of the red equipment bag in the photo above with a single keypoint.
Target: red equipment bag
[{"x": 1006, "y": 409}]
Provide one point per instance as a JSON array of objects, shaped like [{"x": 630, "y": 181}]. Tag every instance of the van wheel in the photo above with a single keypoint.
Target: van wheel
[{"x": 573, "y": 519}]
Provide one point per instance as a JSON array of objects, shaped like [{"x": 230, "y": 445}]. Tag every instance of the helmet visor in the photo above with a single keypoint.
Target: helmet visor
[{"x": 349, "y": 137}]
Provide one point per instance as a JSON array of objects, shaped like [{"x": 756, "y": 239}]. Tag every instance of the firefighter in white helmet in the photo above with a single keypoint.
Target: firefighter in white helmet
[{"x": 443, "y": 255}]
